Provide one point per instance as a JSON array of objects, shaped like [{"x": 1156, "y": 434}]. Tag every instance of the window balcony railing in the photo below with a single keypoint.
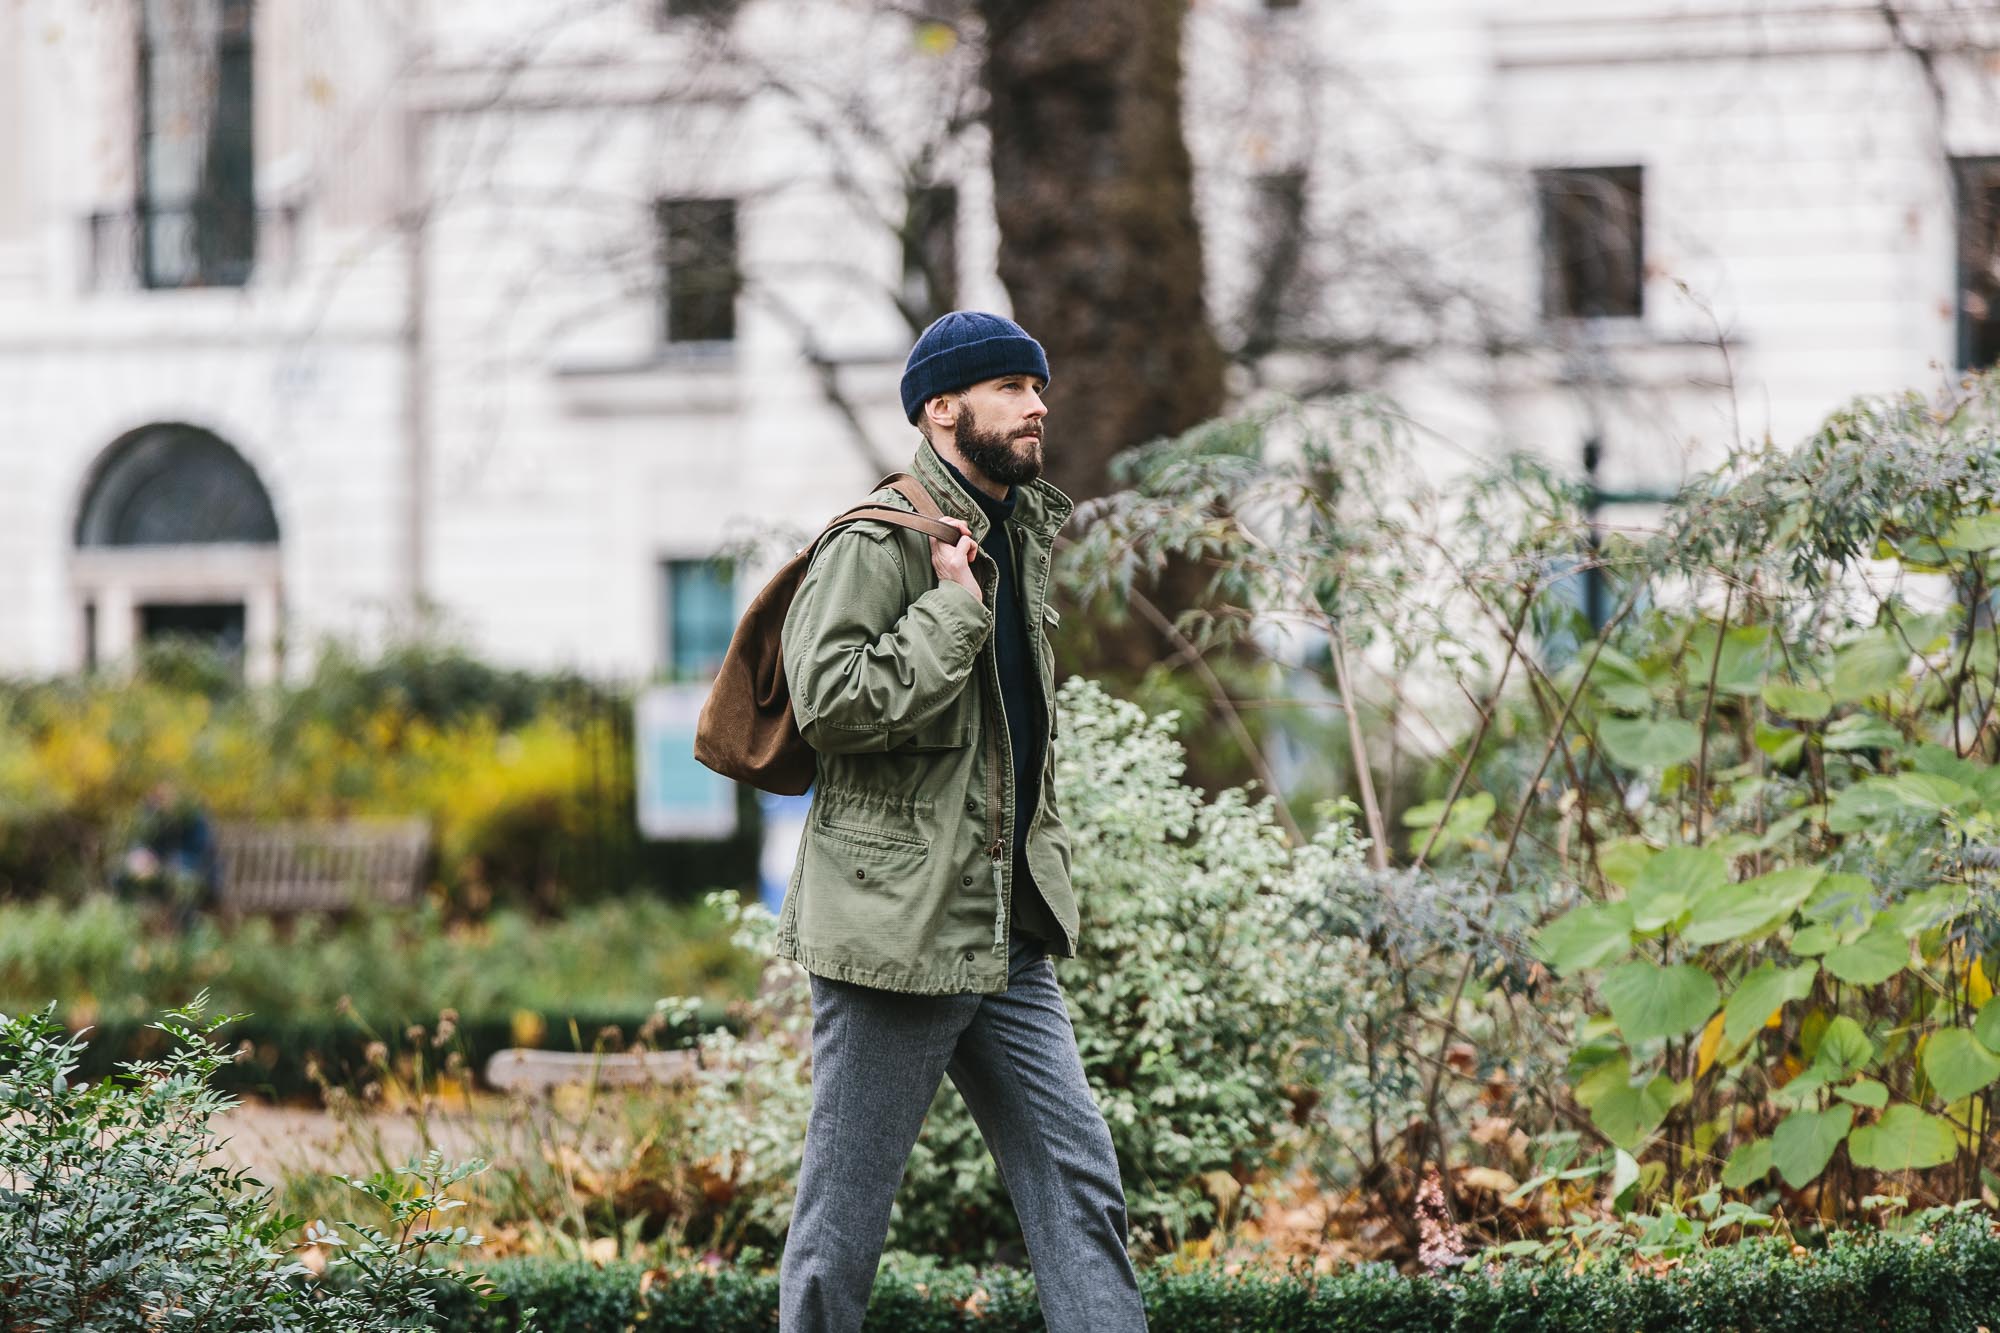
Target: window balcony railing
[{"x": 165, "y": 249}]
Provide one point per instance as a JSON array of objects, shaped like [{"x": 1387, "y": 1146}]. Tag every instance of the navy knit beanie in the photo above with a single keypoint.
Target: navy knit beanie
[{"x": 965, "y": 347}]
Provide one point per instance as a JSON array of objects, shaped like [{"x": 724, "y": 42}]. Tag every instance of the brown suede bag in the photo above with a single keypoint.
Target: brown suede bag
[{"x": 746, "y": 730}]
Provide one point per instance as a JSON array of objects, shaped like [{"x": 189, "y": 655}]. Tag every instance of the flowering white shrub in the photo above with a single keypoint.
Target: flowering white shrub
[{"x": 1194, "y": 992}]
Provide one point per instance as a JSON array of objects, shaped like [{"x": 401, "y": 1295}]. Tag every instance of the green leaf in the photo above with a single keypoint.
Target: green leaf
[
  {"x": 1619, "y": 681},
  {"x": 1872, "y": 959},
  {"x": 1750, "y": 1163},
  {"x": 1671, "y": 882},
  {"x": 1885, "y": 800},
  {"x": 1741, "y": 666},
  {"x": 1624, "y": 1175},
  {"x": 1974, "y": 532},
  {"x": 1466, "y": 820},
  {"x": 1621, "y": 860},
  {"x": 1843, "y": 1048},
  {"x": 1868, "y": 667},
  {"x": 1957, "y": 1064},
  {"x": 1801, "y": 702},
  {"x": 1986, "y": 1027},
  {"x": 1648, "y": 743},
  {"x": 1804, "y": 1142},
  {"x": 1814, "y": 941},
  {"x": 1627, "y": 1115},
  {"x": 1842, "y": 900},
  {"x": 1587, "y": 936},
  {"x": 1782, "y": 744},
  {"x": 1864, "y": 1092},
  {"x": 1767, "y": 989},
  {"x": 1735, "y": 911},
  {"x": 1904, "y": 1139},
  {"x": 1934, "y": 792},
  {"x": 1925, "y": 911},
  {"x": 1939, "y": 759},
  {"x": 1861, "y": 731},
  {"x": 1649, "y": 1001}
]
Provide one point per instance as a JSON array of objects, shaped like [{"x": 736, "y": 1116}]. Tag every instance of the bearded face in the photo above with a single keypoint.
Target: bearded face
[{"x": 1007, "y": 456}]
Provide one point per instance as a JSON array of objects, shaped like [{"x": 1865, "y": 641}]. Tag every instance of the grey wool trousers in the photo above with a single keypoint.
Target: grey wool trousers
[{"x": 878, "y": 1057}]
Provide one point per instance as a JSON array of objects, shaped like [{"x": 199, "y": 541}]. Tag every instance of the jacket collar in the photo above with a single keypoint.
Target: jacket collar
[{"x": 1038, "y": 507}]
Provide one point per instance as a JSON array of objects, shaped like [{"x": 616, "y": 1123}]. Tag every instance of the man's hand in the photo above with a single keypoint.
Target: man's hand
[{"x": 954, "y": 563}]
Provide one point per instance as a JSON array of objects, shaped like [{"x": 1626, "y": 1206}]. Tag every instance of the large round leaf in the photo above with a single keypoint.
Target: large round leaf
[
  {"x": 1750, "y": 1163},
  {"x": 1587, "y": 936},
  {"x": 1620, "y": 682},
  {"x": 1762, "y": 993},
  {"x": 1649, "y": 743},
  {"x": 1986, "y": 1027},
  {"x": 1869, "y": 666},
  {"x": 1649, "y": 1001},
  {"x": 1797, "y": 701},
  {"x": 1803, "y": 1144},
  {"x": 1872, "y": 959},
  {"x": 1739, "y": 668},
  {"x": 1671, "y": 882},
  {"x": 1628, "y": 1115},
  {"x": 1905, "y": 1139},
  {"x": 1842, "y": 1049},
  {"x": 1752, "y": 907},
  {"x": 1957, "y": 1065}
]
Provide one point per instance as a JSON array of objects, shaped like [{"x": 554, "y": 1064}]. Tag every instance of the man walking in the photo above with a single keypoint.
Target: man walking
[{"x": 933, "y": 878}]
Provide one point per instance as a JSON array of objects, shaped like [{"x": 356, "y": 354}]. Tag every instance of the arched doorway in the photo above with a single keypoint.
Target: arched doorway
[{"x": 176, "y": 535}]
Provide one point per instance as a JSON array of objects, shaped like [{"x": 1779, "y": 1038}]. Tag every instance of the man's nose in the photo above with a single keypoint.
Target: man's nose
[{"x": 1037, "y": 409}]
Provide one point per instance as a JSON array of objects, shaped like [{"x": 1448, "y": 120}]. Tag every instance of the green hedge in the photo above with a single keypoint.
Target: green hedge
[
  {"x": 282, "y": 1047},
  {"x": 1943, "y": 1281}
]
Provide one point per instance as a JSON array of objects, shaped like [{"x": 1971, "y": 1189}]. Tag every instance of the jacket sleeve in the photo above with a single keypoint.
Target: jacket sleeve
[{"x": 865, "y": 670}]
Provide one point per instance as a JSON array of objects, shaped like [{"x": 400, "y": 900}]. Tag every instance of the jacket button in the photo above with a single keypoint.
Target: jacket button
[
  {"x": 971, "y": 806},
  {"x": 970, "y": 955},
  {"x": 966, "y": 881},
  {"x": 861, "y": 874}
]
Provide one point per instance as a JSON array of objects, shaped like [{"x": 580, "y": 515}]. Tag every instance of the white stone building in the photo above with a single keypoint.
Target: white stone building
[{"x": 321, "y": 316}]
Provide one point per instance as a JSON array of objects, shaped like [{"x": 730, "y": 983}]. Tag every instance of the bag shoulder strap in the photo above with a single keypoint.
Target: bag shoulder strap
[
  {"x": 928, "y": 519},
  {"x": 901, "y": 518},
  {"x": 912, "y": 490}
]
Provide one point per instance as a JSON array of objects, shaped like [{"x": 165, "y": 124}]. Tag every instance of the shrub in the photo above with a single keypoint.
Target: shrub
[
  {"x": 111, "y": 1217},
  {"x": 321, "y": 991},
  {"x": 526, "y": 780},
  {"x": 1946, "y": 1277},
  {"x": 1197, "y": 973}
]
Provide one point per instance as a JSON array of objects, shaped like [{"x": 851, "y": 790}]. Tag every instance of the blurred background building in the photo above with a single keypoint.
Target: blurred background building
[{"x": 346, "y": 317}]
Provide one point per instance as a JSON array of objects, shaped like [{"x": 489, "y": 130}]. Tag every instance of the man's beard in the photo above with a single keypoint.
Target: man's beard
[{"x": 997, "y": 456}]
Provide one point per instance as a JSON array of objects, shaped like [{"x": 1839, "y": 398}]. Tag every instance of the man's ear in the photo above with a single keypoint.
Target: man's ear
[{"x": 941, "y": 411}]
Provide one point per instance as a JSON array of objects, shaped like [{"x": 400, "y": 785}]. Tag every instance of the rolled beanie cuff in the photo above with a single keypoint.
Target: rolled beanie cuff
[{"x": 955, "y": 367}]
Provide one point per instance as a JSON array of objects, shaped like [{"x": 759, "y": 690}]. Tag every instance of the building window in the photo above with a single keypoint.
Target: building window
[
  {"x": 1593, "y": 250},
  {"x": 1978, "y": 192},
  {"x": 702, "y": 11},
  {"x": 197, "y": 202},
  {"x": 700, "y": 616},
  {"x": 698, "y": 245},
  {"x": 930, "y": 254},
  {"x": 1275, "y": 309}
]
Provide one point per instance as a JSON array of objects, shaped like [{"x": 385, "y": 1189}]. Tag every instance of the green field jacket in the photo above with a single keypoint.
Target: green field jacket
[{"x": 905, "y": 875}]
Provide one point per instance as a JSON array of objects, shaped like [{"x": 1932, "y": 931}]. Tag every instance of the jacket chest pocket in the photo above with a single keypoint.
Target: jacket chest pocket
[{"x": 953, "y": 727}]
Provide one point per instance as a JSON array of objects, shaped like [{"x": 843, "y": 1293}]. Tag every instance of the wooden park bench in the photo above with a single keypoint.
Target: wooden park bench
[
  {"x": 523, "y": 1070},
  {"x": 319, "y": 865}
]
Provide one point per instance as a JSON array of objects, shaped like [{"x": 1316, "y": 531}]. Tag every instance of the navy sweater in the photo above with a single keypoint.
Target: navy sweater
[{"x": 1020, "y": 693}]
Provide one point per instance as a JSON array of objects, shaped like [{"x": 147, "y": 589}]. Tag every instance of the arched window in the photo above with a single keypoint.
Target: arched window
[
  {"x": 175, "y": 485},
  {"x": 176, "y": 537}
]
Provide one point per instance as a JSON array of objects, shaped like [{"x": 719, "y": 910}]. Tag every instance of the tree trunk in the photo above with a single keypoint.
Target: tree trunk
[{"x": 1098, "y": 244}]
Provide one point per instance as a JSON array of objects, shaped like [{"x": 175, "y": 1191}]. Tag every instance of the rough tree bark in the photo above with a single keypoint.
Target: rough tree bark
[
  {"x": 1098, "y": 244},
  {"x": 1099, "y": 249}
]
